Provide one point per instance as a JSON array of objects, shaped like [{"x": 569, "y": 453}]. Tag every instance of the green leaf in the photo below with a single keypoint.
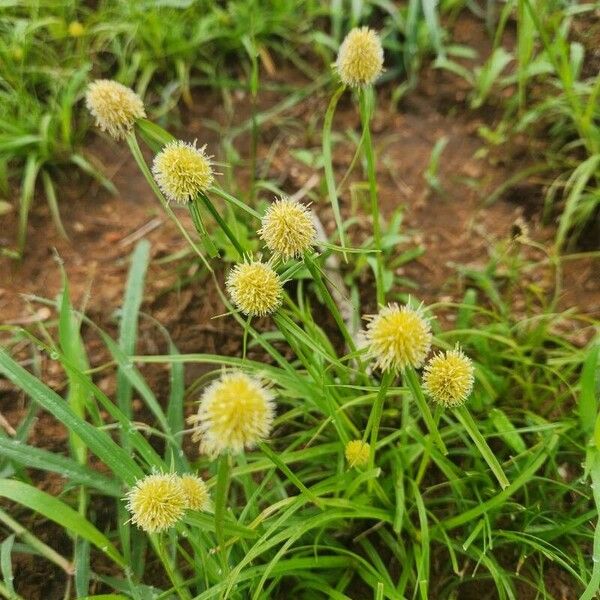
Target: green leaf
[
  {"x": 117, "y": 459},
  {"x": 37, "y": 458},
  {"x": 54, "y": 509},
  {"x": 588, "y": 392}
]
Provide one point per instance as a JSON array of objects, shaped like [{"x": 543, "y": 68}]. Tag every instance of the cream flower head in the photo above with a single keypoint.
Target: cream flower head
[
  {"x": 235, "y": 412},
  {"x": 182, "y": 171},
  {"x": 196, "y": 492},
  {"x": 287, "y": 229},
  {"x": 448, "y": 378},
  {"x": 360, "y": 58},
  {"x": 398, "y": 337},
  {"x": 255, "y": 288},
  {"x": 156, "y": 502},
  {"x": 357, "y": 453},
  {"x": 114, "y": 107}
]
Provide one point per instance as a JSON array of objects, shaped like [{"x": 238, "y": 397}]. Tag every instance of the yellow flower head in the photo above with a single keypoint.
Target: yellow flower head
[
  {"x": 196, "y": 492},
  {"x": 360, "y": 58},
  {"x": 357, "y": 453},
  {"x": 182, "y": 171},
  {"x": 287, "y": 228},
  {"x": 114, "y": 107},
  {"x": 157, "y": 502},
  {"x": 448, "y": 378},
  {"x": 235, "y": 412},
  {"x": 76, "y": 29},
  {"x": 255, "y": 288},
  {"x": 398, "y": 337}
]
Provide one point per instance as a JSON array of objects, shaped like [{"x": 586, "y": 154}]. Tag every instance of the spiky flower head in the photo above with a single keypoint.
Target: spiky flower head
[
  {"x": 360, "y": 58},
  {"x": 196, "y": 492},
  {"x": 114, "y": 107},
  {"x": 182, "y": 171},
  {"x": 448, "y": 378},
  {"x": 287, "y": 229},
  {"x": 357, "y": 453},
  {"x": 76, "y": 29},
  {"x": 156, "y": 502},
  {"x": 235, "y": 412},
  {"x": 255, "y": 288},
  {"x": 398, "y": 337}
]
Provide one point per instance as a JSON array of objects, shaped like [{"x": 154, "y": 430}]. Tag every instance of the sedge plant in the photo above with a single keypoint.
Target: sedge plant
[{"x": 319, "y": 468}]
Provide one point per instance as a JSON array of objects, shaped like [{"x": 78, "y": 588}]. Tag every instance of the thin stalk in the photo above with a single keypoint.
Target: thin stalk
[
  {"x": 289, "y": 473},
  {"x": 221, "y": 222},
  {"x": 37, "y": 544},
  {"x": 375, "y": 420},
  {"x": 221, "y": 494},
  {"x": 412, "y": 382},
  {"x": 196, "y": 215},
  {"x": 141, "y": 162},
  {"x": 594, "y": 583},
  {"x": 328, "y": 165},
  {"x": 329, "y": 301},
  {"x": 365, "y": 118},
  {"x": 466, "y": 420},
  {"x": 170, "y": 567}
]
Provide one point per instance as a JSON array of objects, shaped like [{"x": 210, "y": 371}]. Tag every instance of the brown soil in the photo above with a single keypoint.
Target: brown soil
[{"x": 453, "y": 227}]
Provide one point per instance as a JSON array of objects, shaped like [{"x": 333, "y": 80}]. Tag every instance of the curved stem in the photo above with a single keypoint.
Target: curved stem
[
  {"x": 222, "y": 224},
  {"x": 328, "y": 165},
  {"x": 365, "y": 117}
]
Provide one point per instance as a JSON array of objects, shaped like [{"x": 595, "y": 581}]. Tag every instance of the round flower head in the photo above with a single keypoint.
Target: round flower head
[
  {"x": 157, "y": 502},
  {"x": 114, "y": 107},
  {"x": 76, "y": 29},
  {"x": 398, "y": 337},
  {"x": 182, "y": 171},
  {"x": 235, "y": 412},
  {"x": 196, "y": 492},
  {"x": 360, "y": 57},
  {"x": 357, "y": 453},
  {"x": 287, "y": 228},
  {"x": 448, "y": 378},
  {"x": 255, "y": 288}
]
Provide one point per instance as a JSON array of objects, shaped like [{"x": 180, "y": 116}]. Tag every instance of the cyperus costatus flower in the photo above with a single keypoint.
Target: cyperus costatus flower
[
  {"x": 287, "y": 229},
  {"x": 114, "y": 107},
  {"x": 398, "y": 337},
  {"x": 156, "y": 502},
  {"x": 360, "y": 58},
  {"x": 235, "y": 413},
  {"x": 255, "y": 288},
  {"x": 195, "y": 492},
  {"x": 448, "y": 378},
  {"x": 182, "y": 171},
  {"x": 357, "y": 453}
]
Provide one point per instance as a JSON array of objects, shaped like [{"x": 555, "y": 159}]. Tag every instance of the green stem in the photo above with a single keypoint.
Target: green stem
[
  {"x": 170, "y": 568},
  {"x": 220, "y": 221},
  {"x": 365, "y": 117},
  {"x": 329, "y": 301},
  {"x": 196, "y": 215},
  {"x": 37, "y": 544},
  {"x": 412, "y": 381},
  {"x": 591, "y": 589},
  {"x": 141, "y": 162},
  {"x": 221, "y": 495},
  {"x": 288, "y": 473},
  {"x": 375, "y": 420},
  {"x": 328, "y": 165},
  {"x": 466, "y": 420}
]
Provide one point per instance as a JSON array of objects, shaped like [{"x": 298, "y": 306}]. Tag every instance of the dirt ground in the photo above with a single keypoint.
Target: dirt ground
[{"x": 453, "y": 227}]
